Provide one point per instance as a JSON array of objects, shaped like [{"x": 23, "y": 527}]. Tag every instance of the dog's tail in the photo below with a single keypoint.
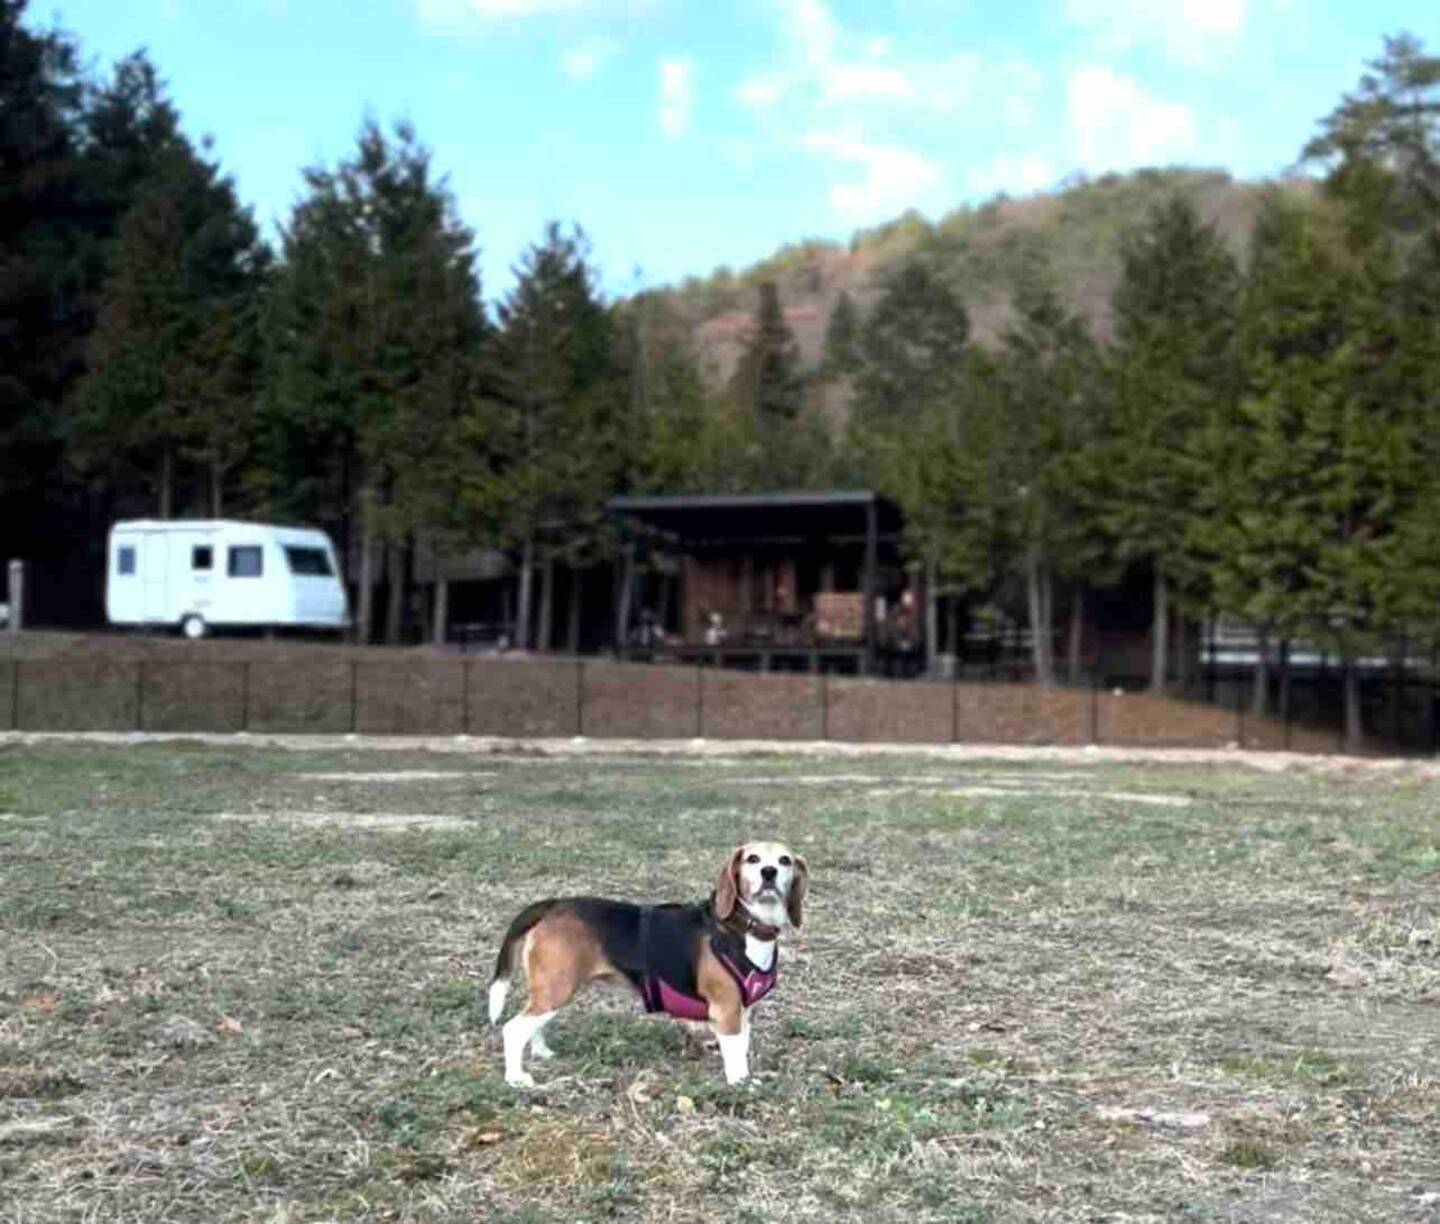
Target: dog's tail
[{"x": 505, "y": 960}]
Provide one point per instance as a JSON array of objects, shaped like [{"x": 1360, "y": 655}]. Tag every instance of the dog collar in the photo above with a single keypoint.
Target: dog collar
[{"x": 743, "y": 922}]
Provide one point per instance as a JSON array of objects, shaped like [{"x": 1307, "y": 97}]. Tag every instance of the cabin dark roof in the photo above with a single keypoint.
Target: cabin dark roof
[{"x": 837, "y": 514}]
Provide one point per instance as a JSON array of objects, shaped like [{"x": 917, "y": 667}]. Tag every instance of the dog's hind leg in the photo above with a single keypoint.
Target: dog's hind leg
[
  {"x": 518, "y": 1032},
  {"x": 559, "y": 954}
]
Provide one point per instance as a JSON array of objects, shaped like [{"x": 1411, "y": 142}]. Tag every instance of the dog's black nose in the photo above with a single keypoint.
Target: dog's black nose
[{"x": 767, "y": 873}]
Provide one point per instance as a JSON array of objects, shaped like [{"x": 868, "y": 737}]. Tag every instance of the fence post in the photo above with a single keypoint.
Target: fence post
[
  {"x": 140, "y": 695},
  {"x": 955, "y": 702},
  {"x": 699, "y": 701},
  {"x": 824, "y": 705},
  {"x": 579, "y": 696},
  {"x": 465, "y": 666},
  {"x": 354, "y": 696},
  {"x": 1095, "y": 706},
  {"x": 244, "y": 694},
  {"x": 1239, "y": 716},
  {"x": 15, "y": 695}
]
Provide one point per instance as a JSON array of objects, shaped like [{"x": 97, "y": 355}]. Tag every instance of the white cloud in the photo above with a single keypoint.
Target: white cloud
[
  {"x": 585, "y": 59},
  {"x": 1117, "y": 125},
  {"x": 455, "y": 12},
  {"x": 879, "y": 44},
  {"x": 1217, "y": 16},
  {"x": 762, "y": 90},
  {"x": 846, "y": 81},
  {"x": 892, "y": 178},
  {"x": 1190, "y": 31},
  {"x": 677, "y": 94},
  {"x": 1021, "y": 173},
  {"x": 809, "y": 28}
]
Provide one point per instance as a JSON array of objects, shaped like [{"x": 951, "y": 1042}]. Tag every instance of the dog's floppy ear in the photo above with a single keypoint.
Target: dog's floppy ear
[
  {"x": 799, "y": 882},
  {"x": 727, "y": 885}
]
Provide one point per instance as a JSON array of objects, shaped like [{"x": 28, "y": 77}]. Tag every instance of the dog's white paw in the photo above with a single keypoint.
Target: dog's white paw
[{"x": 522, "y": 1079}]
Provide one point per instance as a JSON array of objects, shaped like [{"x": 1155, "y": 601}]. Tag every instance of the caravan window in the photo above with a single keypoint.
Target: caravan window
[
  {"x": 309, "y": 561},
  {"x": 125, "y": 562},
  {"x": 246, "y": 561},
  {"x": 202, "y": 556}
]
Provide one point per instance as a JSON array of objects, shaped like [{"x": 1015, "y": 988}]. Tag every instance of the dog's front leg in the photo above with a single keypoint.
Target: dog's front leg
[{"x": 734, "y": 1036}]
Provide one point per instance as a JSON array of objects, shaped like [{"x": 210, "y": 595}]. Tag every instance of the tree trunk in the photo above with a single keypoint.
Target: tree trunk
[
  {"x": 1077, "y": 631},
  {"x": 932, "y": 616},
  {"x": 365, "y": 594},
  {"x": 1182, "y": 653},
  {"x": 577, "y": 590},
  {"x": 167, "y": 485},
  {"x": 217, "y": 490},
  {"x": 1038, "y": 588},
  {"x": 527, "y": 578},
  {"x": 1398, "y": 651},
  {"x": 622, "y": 610},
  {"x": 395, "y": 592},
  {"x": 1260, "y": 699},
  {"x": 407, "y": 601},
  {"x": 547, "y": 608},
  {"x": 441, "y": 626},
  {"x": 1285, "y": 684},
  {"x": 1159, "y": 633},
  {"x": 1354, "y": 724}
]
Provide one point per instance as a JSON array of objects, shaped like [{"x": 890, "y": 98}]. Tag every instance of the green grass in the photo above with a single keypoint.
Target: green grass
[{"x": 1025, "y": 991}]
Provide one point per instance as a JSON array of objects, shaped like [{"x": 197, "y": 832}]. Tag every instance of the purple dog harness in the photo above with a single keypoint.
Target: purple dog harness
[{"x": 660, "y": 996}]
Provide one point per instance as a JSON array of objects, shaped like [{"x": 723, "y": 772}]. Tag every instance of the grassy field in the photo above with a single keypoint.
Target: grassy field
[{"x": 249, "y": 984}]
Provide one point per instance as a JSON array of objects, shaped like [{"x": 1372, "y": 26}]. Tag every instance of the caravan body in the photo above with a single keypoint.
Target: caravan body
[{"x": 200, "y": 573}]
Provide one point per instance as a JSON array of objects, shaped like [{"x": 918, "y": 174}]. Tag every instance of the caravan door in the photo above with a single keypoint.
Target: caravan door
[{"x": 154, "y": 576}]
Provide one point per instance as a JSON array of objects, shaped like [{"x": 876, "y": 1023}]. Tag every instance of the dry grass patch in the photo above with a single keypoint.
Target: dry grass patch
[{"x": 245, "y": 984}]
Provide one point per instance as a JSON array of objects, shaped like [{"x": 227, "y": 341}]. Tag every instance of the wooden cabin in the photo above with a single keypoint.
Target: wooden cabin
[{"x": 792, "y": 581}]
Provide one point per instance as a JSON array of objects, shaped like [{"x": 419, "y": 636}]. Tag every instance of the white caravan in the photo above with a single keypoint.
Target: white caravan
[{"x": 215, "y": 572}]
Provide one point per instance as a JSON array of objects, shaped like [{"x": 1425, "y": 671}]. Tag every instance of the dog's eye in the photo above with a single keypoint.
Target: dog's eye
[
  {"x": 753, "y": 858},
  {"x": 784, "y": 860}
]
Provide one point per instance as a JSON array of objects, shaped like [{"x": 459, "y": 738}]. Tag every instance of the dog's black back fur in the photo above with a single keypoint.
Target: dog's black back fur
[{"x": 664, "y": 943}]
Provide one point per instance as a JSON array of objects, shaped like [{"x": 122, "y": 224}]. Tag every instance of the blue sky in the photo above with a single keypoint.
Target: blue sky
[{"x": 687, "y": 134}]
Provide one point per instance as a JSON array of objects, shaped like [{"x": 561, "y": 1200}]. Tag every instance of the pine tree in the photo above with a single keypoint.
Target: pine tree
[
  {"x": 911, "y": 344},
  {"x": 1174, "y": 308},
  {"x": 1371, "y": 555},
  {"x": 842, "y": 339},
  {"x": 557, "y": 381},
  {"x": 767, "y": 381},
  {"x": 1047, "y": 381},
  {"x": 374, "y": 409},
  {"x": 924, "y": 427},
  {"x": 1381, "y": 144},
  {"x": 44, "y": 245},
  {"x": 182, "y": 269},
  {"x": 673, "y": 440}
]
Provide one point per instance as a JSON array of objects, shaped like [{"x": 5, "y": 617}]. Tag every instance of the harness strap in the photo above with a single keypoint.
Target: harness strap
[{"x": 649, "y": 981}]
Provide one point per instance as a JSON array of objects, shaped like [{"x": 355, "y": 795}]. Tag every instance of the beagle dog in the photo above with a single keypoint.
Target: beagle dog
[{"x": 710, "y": 961}]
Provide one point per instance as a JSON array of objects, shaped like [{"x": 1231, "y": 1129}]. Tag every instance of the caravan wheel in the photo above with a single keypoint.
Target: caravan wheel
[{"x": 193, "y": 626}]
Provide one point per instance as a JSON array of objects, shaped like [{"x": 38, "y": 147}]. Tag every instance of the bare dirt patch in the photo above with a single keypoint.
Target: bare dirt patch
[
  {"x": 401, "y": 775},
  {"x": 348, "y": 820}
]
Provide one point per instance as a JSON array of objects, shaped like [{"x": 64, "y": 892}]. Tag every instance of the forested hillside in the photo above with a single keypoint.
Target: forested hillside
[{"x": 982, "y": 254}]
